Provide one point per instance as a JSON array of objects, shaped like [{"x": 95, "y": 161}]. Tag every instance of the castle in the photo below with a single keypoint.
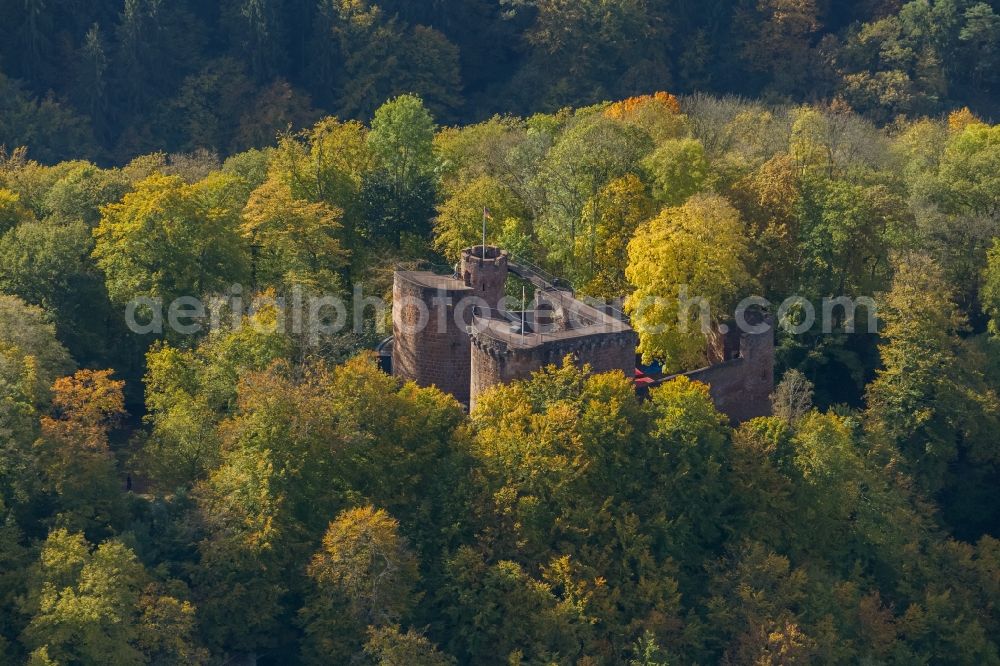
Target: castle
[{"x": 457, "y": 332}]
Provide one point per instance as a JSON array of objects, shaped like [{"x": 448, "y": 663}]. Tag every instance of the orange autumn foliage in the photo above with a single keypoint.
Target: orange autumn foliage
[
  {"x": 627, "y": 108},
  {"x": 85, "y": 406},
  {"x": 960, "y": 119}
]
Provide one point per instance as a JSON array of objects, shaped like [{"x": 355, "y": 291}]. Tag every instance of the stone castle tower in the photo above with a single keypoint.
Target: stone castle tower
[
  {"x": 485, "y": 271},
  {"x": 558, "y": 327},
  {"x": 457, "y": 333},
  {"x": 431, "y": 315},
  {"x": 454, "y": 332}
]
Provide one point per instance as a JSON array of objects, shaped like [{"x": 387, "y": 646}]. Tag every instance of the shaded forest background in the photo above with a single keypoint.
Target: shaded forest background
[
  {"x": 249, "y": 495},
  {"x": 110, "y": 80}
]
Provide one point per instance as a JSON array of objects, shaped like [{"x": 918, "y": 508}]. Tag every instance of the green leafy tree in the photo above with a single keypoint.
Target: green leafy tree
[
  {"x": 292, "y": 241},
  {"x": 614, "y": 214},
  {"x": 388, "y": 646},
  {"x": 12, "y": 212},
  {"x": 258, "y": 31},
  {"x": 587, "y": 51},
  {"x": 698, "y": 247},
  {"x": 100, "y": 606},
  {"x": 590, "y": 152},
  {"x": 27, "y": 331},
  {"x": 847, "y": 232},
  {"x": 571, "y": 495},
  {"x": 506, "y": 149},
  {"x": 968, "y": 172},
  {"x": 950, "y": 178},
  {"x": 756, "y": 596},
  {"x": 30, "y": 359},
  {"x": 52, "y": 131},
  {"x": 239, "y": 578},
  {"x": 543, "y": 624},
  {"x": 459, "y": 220},
  {"x": 303, "y": 446},
  {"x": 401, "y": 139},
  {"x": 189, "y": 391},
  {"x": 768, "y": 199},
  {"x": 677, "y": 169},
  {"x": 80, "y": 191},
  {"x": 379, "y": 57},
  {"x": 648, "y": 652},
  {"x": 364, "y": 574},
  {"x": 784, "y": 32},
  {"x": 169, "y": 239},
  {"x": 49, "y": 265},
  {"x": 329, "y": 164},
  {"x": 92, "y": 79},
  {"x": 399, "y": 194},
  {"x": 927, "y": 400},
  {"x": 990, "y": 294},
  {"x": 979, "y": 37}
]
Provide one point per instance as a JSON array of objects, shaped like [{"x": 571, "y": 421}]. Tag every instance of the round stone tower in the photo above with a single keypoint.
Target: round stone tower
[
  {"x": 484, "y": 269},
  {"x": 430, "y": 341}
]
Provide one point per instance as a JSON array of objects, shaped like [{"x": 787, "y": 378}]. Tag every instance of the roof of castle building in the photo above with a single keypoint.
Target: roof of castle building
[
  {"x": 430, "y": 280},
  {"x": 571, "y": 318}
]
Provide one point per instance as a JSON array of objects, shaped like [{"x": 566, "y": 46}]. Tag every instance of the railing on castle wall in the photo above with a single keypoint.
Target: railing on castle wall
[
  {"x": 437, "y": 269},
  {"x": 482, "y": 326},
  {"x": 615, "y": 312},
  {"x": 537, "y": 275},
  {"x": 543, "y": 279}
]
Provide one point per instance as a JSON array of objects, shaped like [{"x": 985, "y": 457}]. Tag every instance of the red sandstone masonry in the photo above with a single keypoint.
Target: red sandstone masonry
[
  {"x": 741, "y": 387},
  {"x": 427, "y": 355},
  {"x": 485, "y": 272},
  {"x": 500, "y": 355},
  {"x": 494, "y": 362},
  {"x": 440, "y": 355},
  {"x": 465, "y": 365}
]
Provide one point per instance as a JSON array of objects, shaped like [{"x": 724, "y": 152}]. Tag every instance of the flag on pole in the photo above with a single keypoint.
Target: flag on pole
[{"x": 486, "y": 216}]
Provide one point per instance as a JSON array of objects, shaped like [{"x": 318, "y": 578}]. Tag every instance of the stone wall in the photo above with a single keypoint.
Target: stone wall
[
  {"x": 741, "y": 387},
  {"x": 432, "y": 348},
  {"x": 496, "y": 362},
  {"x": 438, "y": 353}
]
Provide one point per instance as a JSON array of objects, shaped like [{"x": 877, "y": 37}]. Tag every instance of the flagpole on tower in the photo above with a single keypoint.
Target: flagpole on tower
[
  {"x": 522, "y": 314},
  {"x": 485, "y": 213}
]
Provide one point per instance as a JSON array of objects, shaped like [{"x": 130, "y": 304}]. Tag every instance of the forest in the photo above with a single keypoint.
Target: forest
[
  {"x": 251, "y": 493},
  {"x": 111, "y": 79}
]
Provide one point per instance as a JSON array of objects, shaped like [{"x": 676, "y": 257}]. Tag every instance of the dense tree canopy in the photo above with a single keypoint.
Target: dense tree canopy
[
  {"x": 110, "y": 79},
  {"x": 248, "y": 487}
]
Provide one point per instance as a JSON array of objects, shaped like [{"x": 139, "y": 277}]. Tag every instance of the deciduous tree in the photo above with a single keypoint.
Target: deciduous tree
[
  {"x": 74, "y": 452},
  {"x": 694, "y": 251},
  {"x": 925, "y": 400},
  {"x": 292, "y": 241},
  {"x": 169, "y": 239},
  {"x": 100, "y": 606}
]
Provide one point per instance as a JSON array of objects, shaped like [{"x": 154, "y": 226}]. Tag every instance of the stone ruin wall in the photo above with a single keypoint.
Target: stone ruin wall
[
  {"x": 494, "y": 362},
  {"x": 740, "y": 379},
  {"x": 741, "y": 387},
  {"x": 430, "y": 357}
]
